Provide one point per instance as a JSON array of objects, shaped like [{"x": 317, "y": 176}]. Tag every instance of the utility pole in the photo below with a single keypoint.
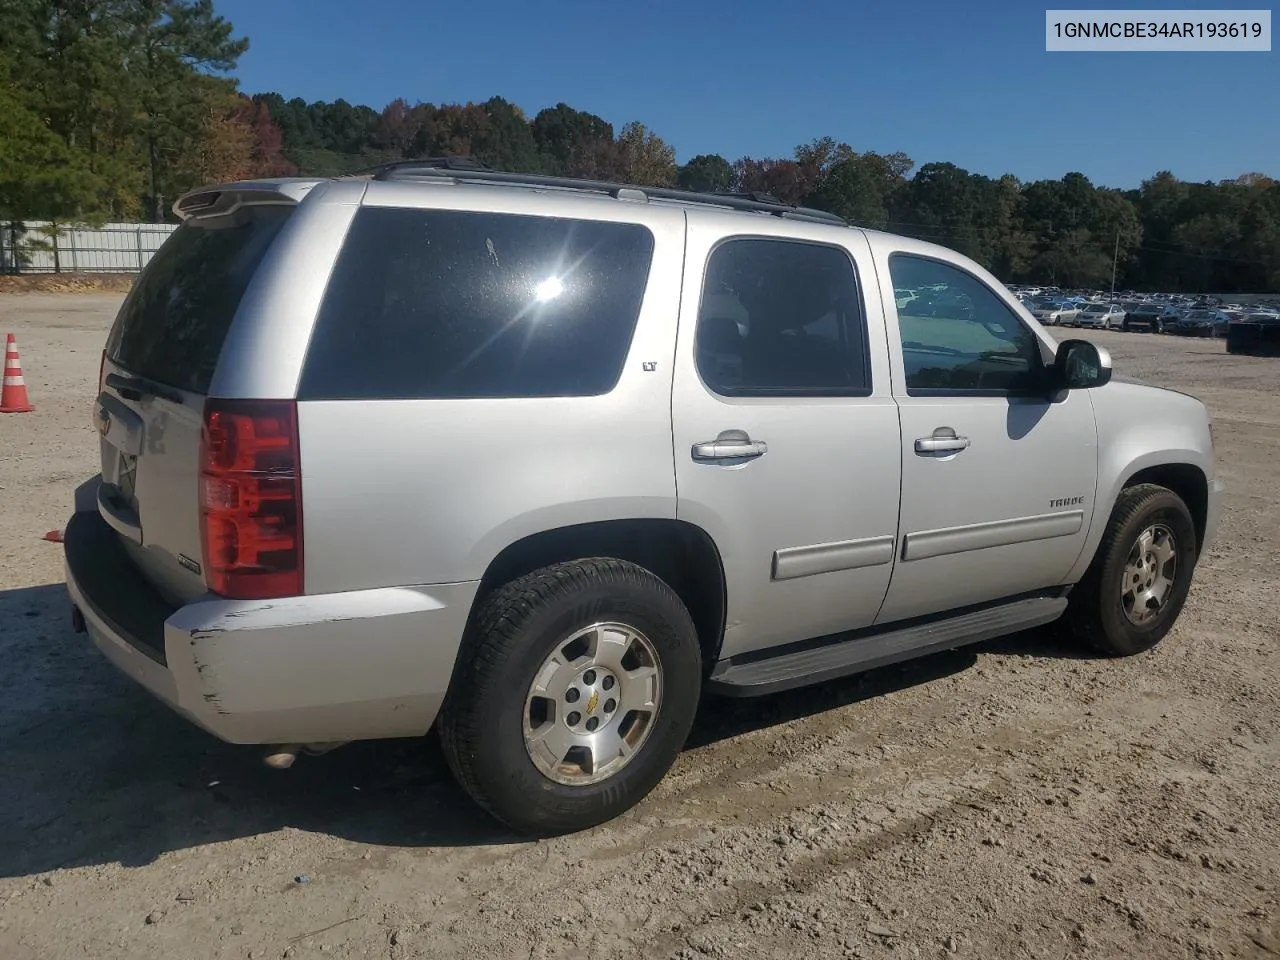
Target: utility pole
[{"x": 1114, "y": 259}]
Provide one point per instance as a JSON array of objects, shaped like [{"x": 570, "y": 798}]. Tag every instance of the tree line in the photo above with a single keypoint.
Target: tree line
[{"x": 110, "y": 109}]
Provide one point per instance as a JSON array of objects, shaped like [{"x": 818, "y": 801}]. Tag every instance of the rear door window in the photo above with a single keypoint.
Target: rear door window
[
  {"x": 172, "y": 325},
  {"x": 456, "y": 304},
  {"x": 782, "y": 318}
]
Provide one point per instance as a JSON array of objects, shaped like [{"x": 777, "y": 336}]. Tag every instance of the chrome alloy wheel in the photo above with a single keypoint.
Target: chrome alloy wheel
[
  {"x": 1149, "y": 574},
  {"x": 592, "y": 704}
]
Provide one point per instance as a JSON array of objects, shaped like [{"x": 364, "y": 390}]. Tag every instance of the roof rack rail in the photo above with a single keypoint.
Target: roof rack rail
[
  {"x": 762, "y": 196},
  {"x": 422, "y": 163},
  {"x": 470, "y": 170}
]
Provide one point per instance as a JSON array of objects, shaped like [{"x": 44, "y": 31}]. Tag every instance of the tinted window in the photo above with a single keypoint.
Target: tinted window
[
  {"x": 966, "y": 338},
  {"x": 434, "y": 303},
  {"x": 172, "y": 325},
  {"x": 781, "y": 318}
]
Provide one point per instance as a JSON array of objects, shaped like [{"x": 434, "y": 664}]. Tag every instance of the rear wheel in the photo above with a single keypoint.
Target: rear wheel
[
  {"x": 575, "y": 689},
  {"x": 1139, "y": 579}
]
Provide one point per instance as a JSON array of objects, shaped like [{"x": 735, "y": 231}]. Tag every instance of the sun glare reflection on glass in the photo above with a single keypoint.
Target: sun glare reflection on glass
[{"x": 548, "y": 289}]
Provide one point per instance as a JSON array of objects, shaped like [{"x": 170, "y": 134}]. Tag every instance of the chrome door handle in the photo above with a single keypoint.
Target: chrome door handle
[
  {"x": 944, "y": 440},
  {"x": 730, "y": 445}
]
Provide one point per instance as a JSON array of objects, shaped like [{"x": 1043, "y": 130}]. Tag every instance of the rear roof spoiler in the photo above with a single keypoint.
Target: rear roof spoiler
[{"x": 219, "y": 199}]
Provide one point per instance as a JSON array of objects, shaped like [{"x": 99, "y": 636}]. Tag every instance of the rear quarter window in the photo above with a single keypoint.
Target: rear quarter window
[
  {"x": 455, "y": 304},
  {"x": 172, "y": 326}
]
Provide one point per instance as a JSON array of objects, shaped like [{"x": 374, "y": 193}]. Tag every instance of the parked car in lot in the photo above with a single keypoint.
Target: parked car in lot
[
  {"x": 1201, "y": 322},
  {"x": 1056, "y": 314},
  {"x": 537, "y": 462},
  {"x": 1255, "y": 333},
  {"x": 1152, "y": 316},
  {"x": 1104, "y": 315}
]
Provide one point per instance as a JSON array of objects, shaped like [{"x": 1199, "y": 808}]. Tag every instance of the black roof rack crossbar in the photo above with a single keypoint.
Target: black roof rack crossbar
[
  {"x": 424, "y": 163},
  {"x": 469, "y": 170}
]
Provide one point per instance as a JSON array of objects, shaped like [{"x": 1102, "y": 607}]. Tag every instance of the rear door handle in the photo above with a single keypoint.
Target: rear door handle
[
  {"x": 121, "y": 427},
  {"x": 944, "y": 440},
  {"x": 730, "y": 445}
]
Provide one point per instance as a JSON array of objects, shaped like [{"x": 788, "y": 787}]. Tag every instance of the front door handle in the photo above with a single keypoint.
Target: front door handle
[
  {"x": 730, "y": 445},
  {"x": 944, "y": 440}
]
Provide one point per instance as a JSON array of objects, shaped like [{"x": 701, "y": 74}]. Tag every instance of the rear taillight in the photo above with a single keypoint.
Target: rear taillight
[
  {"x": 251, "y": 499},
  {"x": 102, "y": 369}
]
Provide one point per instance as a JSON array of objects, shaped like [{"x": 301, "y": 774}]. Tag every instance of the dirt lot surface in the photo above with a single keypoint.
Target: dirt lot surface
[
  {"x": 67, "y": 283},
  {"x": 1018, "y": 799}
]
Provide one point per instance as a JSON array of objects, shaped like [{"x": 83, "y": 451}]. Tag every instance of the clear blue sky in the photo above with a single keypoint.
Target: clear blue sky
[{"x": 970, "y": 83}]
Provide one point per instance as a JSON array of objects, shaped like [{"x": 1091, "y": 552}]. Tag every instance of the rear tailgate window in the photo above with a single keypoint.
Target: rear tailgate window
[{"x": 172, "y": 325}]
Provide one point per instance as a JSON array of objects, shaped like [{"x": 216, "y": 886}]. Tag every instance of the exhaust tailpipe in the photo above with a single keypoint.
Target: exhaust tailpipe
[{"x": 282, "y": 755}]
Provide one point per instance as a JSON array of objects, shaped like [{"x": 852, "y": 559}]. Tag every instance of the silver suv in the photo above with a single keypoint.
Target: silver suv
[{"x": 536, "y": 462}]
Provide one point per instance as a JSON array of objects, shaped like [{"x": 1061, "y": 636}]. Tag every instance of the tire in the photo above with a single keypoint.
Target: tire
[
  {"x": 1157, "y": 326},
  {"x": 486, "y": 715},
  {"x": 1098, "y": 604},
  {"x": 1124, "y": 326}
]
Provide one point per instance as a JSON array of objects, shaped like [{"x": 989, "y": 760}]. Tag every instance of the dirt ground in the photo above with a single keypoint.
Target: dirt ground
[
  {"x": 66, "y": 283},
  {"x": 1017, "y": 799}
]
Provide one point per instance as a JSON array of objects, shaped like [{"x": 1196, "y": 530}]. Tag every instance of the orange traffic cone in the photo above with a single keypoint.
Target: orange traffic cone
[{"x": 13, "y": 396}]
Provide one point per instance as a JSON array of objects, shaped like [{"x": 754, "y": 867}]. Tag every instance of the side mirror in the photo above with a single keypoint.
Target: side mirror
[{"x": 1081, "y": 365}]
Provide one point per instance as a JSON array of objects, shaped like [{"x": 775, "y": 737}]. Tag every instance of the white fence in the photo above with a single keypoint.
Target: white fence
[{"x": 111, "y": 248}]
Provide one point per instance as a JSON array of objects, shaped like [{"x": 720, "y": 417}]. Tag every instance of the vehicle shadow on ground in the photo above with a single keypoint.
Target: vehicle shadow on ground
[{"x": 96, "y": 771}]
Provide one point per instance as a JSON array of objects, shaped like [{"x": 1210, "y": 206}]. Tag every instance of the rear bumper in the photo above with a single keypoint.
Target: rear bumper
[{"x": 347, "y": 666}]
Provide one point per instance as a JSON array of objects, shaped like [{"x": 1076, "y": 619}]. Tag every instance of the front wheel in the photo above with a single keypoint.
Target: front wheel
[
  {"x": 1140, "y": 576},
  {"x": 575, "y": 690}
]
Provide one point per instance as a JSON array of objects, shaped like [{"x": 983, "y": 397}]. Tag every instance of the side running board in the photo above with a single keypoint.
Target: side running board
[{"x": 843, "y": 654}]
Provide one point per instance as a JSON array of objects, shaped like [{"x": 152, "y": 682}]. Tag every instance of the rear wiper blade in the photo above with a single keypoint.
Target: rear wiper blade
[{"x": 135, "y": 388}]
